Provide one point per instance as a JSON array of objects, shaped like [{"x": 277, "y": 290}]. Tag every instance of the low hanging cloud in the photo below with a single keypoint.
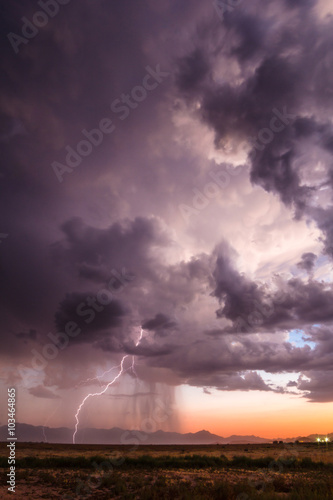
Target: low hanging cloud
[
  {"x": 250, "y": 381},
  {"x": 42, "y": 392}
]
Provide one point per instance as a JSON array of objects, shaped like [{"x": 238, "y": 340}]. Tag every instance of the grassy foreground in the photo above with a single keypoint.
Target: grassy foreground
[{"x": 235, "y": 472}]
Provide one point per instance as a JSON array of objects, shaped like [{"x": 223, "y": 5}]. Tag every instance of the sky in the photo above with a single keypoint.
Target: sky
[{"x": 166, "y": 196}]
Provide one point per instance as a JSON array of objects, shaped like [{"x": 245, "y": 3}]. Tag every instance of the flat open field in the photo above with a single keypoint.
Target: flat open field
[{"x": 301, "y": 471}]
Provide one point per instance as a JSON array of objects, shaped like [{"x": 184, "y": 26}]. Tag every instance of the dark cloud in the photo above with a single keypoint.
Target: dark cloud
[
  {"x": 30, "y": 335},
  {"x": 96, "y": 252},
  {"x": 159, "y": 324},
  {"x": 208, "y": 360},
  {"x": 237, "y": 294},
  {"x": 42, "y": 392},
  {"x": 251, "y": 306},
  {"x": 134, "y": 395},
  {"x": 192, "y": 70},
  {"x": 148, "y": 349},
  {"x": 250, "y": 381},
  {"x": 308, "y": 262},
  {"x": 88, "y": 314},
  {"x": 223, "y": 361},
  {"x": 318, "y": 386},
  {"x": 324, "y": 220}
]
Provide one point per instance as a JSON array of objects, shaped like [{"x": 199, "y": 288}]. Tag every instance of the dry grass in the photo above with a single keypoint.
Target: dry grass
[
  {"x": 171, "y": 472},
  {"x": 44, "y": 450}
]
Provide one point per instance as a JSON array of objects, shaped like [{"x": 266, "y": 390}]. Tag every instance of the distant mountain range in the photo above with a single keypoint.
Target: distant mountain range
[{"x": 31, "y": 433}]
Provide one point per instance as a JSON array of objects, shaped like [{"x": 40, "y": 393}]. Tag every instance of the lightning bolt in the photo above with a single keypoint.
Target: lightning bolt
[
  {"x": 44, "y": 435},
  {"x": 91, "y": 395},
  {"x": 98, "y": 377},
  {"x": 47, "y": 420},
  {"x": 133, "y": 357}
]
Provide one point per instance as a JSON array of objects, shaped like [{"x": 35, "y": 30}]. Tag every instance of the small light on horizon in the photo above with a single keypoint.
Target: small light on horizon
[{"x": 323, "y": 440}]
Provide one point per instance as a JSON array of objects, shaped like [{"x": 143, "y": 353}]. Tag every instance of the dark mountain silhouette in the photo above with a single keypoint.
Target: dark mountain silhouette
[{"x": 31, "y": 433}]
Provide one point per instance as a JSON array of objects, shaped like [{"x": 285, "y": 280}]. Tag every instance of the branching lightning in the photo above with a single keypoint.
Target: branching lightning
[
  {"x": 90, "y": 395},
  {"x": 98, "y": 377}
]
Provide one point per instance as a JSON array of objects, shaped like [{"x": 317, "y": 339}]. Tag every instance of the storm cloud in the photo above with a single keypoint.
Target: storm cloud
[{"x": 209, "y": 302}]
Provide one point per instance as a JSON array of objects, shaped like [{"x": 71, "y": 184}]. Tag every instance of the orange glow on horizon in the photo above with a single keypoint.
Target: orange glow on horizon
[{"x": 269, "y": 416}]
